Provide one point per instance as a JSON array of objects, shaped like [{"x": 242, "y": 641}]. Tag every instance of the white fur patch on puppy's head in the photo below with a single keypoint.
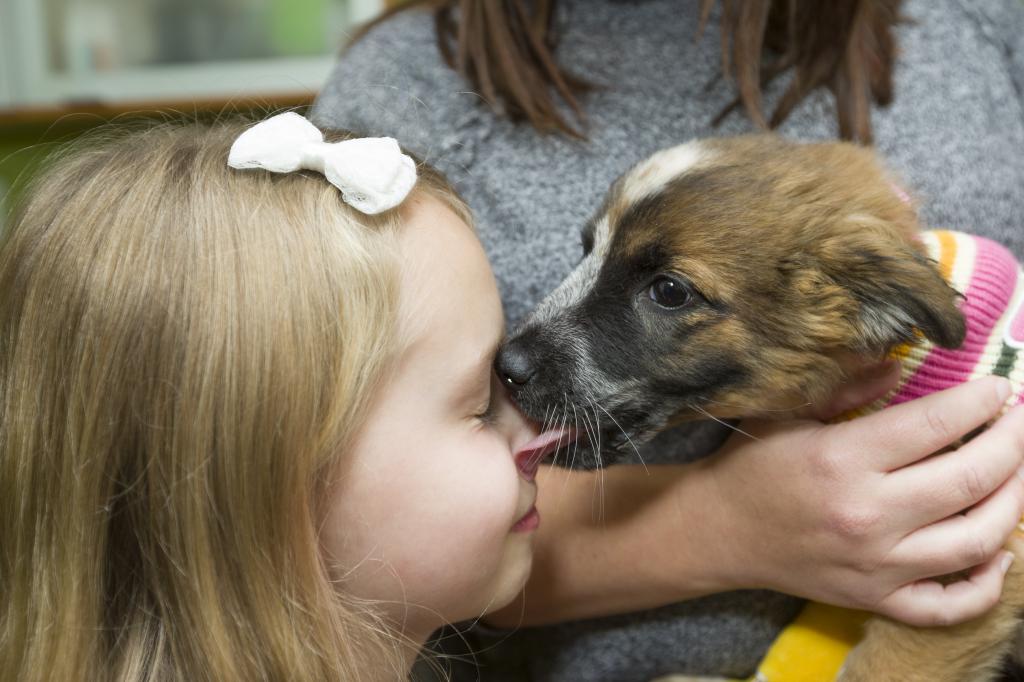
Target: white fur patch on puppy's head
[{"x": 651, "y": 175}]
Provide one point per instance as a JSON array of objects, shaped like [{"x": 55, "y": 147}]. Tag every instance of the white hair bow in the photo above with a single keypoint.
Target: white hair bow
[{"x": 372, "y": 172}]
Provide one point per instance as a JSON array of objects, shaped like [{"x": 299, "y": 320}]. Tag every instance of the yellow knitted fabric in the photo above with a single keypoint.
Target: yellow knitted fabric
[{"x": 813, "y": 647}]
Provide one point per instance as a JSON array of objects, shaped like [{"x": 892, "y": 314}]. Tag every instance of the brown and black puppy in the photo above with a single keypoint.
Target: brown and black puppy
[
  {"x": 729, "y": 277},
  {"x": 735, "y": 277}
]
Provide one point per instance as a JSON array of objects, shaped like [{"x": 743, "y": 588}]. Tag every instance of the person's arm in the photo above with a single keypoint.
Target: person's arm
[
  {"x": 618, "y": 540},
  {"x": 857, "y": 514}
]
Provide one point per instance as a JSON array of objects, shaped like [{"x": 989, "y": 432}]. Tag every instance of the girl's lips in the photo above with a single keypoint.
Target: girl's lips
[
  {"x": 530, "y": 521},
  {"x": 529, "y": 456}
]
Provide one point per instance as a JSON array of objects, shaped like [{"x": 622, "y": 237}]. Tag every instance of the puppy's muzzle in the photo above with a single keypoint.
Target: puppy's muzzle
[{"x": 535, "y": 371}]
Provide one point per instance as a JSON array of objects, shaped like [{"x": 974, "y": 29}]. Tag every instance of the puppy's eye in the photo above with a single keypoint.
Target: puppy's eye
[{"x": 669, "y": 293}]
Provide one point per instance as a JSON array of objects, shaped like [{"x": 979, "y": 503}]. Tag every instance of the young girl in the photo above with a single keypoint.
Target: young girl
[
  {"x": 248, "y": 429},
  {"x": 250, "y": 432}
]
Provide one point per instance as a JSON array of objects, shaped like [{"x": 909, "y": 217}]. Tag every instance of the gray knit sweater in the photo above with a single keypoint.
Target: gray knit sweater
[{"x": 955, "y": 134}]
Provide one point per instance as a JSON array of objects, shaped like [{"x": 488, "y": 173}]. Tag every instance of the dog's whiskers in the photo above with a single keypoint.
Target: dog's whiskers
[
  {"x": 597, "y": 456},
  {"x": 588, "y": 427},
  {"x": 594, "y": 439},
  {"x": 756, "y": 409},
  {"x": 549, "y": 410},
  {"x": 560, "y": 421},
  {"x": 565, "y": 417},
  {"x": 597, "y": 421},
  {"x": 564, "y": 421},
  {"x": 698, "y": 408},
  {"x": 626, "y": 436},
  {"x": 575, "y": 426}
]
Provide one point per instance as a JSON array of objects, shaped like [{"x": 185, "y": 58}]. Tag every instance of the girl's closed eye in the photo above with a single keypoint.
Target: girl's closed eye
[{"x": 488, "y": 415}]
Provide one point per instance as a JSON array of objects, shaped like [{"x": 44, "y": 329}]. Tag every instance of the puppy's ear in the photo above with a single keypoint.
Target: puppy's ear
[{"x": 897, "y": 292}]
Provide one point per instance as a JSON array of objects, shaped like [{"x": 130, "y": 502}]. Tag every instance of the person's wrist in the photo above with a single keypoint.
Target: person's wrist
[{"x": 717, "y": 562}]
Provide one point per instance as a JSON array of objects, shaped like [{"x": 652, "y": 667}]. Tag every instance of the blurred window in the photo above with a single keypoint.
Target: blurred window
[
  {"x": 101, "y": 35},
  {"x": 56, "y": 51}
]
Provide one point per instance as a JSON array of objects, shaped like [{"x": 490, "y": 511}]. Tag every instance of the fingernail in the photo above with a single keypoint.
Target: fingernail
[
  {"x": 1020, "y": 472},
  {"x": 1007, "y": 560}
]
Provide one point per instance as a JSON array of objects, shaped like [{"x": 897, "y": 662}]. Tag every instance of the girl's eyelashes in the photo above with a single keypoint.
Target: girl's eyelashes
[{"x": 489, "y": 415}]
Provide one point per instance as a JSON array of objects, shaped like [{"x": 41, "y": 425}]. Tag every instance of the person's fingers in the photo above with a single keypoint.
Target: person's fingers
[
  {"x": 904, "y": 433},
  {"x": 928, "y": 603},
  {"x": 869, "y": 384},
  {"x": 946, "y": 484},
  {"x": 962, "y": 541}
]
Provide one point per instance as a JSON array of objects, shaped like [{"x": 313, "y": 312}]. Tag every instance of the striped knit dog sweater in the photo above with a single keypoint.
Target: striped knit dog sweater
[{"x": 992, "y": 284}]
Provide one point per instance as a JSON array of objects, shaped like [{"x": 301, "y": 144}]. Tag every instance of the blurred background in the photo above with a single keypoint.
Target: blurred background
[{"x": 67, "y": 66}]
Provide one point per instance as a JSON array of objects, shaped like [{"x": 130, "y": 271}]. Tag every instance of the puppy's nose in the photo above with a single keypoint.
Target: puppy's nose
[{"x": 513, "y": 365}]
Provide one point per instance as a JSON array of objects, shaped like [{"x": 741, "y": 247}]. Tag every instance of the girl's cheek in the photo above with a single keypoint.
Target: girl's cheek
[
  {"x": 496, "y": 481},
  {"x": 487, "y": 484}
]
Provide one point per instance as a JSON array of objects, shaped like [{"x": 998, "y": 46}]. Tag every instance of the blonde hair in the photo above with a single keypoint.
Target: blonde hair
[{"x": 184, "y": 351}]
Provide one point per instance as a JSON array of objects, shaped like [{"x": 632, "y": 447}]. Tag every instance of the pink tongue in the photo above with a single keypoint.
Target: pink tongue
[{"x": 547, "y": 442}]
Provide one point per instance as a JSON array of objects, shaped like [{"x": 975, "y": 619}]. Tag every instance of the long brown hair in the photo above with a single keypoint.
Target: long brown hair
[
  {"x": 185, "y": 351},
  {"x": 505, "y": 48}
]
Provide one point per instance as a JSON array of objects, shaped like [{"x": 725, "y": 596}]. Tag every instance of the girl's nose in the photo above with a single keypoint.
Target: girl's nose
[{"x": 517, "y": 428}]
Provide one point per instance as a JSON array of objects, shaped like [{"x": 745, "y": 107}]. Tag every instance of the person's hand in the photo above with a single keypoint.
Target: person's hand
[{"x": 860, "y": 513}]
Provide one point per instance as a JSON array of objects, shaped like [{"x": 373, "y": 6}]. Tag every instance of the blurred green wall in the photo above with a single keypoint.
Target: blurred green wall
[{"x": 24, "y": 146}]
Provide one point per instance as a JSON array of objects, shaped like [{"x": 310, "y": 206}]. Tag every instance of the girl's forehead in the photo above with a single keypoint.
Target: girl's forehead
[{"x": 448, "y": 296}]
